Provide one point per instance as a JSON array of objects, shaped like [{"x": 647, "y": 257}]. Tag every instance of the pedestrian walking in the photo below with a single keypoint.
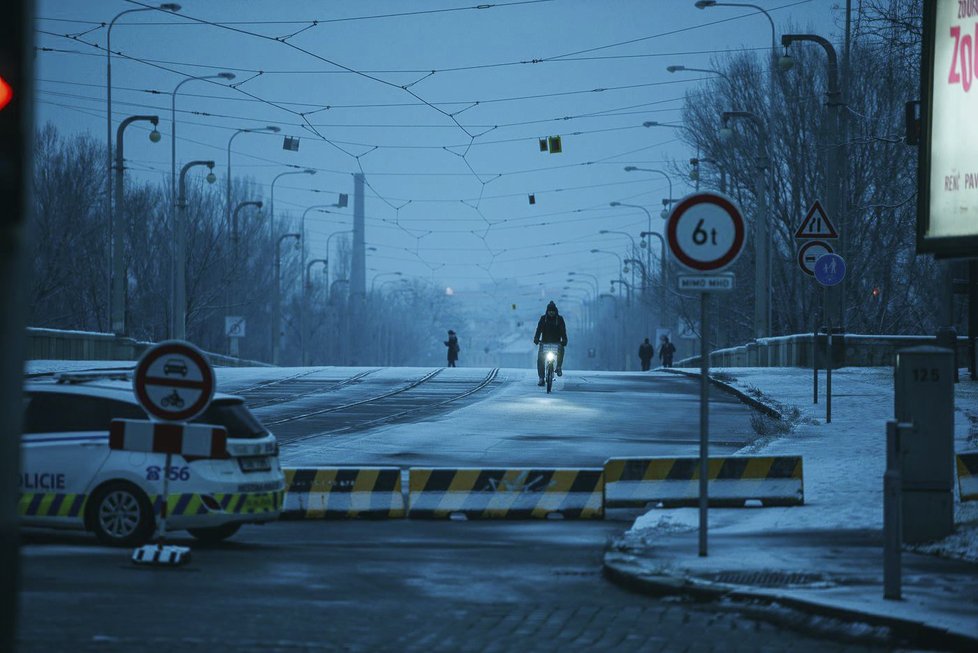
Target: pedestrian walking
[
  {"x": 666, "y": 350},
  {"x": 645, "y": 351},
  {"x": 453, "y": 348}
]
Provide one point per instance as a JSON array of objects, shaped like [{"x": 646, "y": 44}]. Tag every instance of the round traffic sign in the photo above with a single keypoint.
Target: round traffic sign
[
  {"x": 173, "y": 381},
  {"x": 830, "y": 269},
  {"x": 705, "y": 231},
  {"x": 810, "y": 252}
]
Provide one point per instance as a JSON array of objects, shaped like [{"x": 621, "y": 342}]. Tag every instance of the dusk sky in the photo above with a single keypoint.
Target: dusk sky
[{"x": 440, "y": 104}]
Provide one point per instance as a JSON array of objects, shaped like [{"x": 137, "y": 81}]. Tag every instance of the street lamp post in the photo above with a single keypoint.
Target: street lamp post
[
  {"x": 695, "y": 162},
  {"x": 677, "y": 69},
  {"x": 834, "y": 178},
  {"x": 233, "y": 281},
  {"x": 269, "y": 128},
  {"x": 306, "y": 287},
  {"x": 621, "y": 265},
  {"x": 762, "y": 266},
  {"x": 634, "y": 250},
  {"x": 110, "y": 224},
  {"x": 277, "y": 352},
  {"x": 180, "y": 252},
  {"x": 117, "y": 301},
  {"x": 173, "y": 191}
]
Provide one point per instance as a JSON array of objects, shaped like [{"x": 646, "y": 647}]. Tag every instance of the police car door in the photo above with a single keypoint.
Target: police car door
[{"x": 65, "y": 442}]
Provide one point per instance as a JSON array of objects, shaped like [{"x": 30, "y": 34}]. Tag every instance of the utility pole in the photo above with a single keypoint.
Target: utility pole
[
  {"x": 16, "y": 132},
  {"x": 358, "y": 271}
]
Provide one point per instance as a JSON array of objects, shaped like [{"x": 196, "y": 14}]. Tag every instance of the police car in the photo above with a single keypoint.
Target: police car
[{"x": 71, "y": 479}]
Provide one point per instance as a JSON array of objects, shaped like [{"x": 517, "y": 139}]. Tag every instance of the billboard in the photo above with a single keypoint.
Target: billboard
[{"x": 947, "y": 215}]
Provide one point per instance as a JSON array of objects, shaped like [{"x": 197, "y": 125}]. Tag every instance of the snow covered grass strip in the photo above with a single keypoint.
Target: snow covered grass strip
[
  {"x": 968, "y": 475},
  {"x": 343, "y": 493},
  {"x": 515, "y": 493},
  {"x": 732, "y": 481}
]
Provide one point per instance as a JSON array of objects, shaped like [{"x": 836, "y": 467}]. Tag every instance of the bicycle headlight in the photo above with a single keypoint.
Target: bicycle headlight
[{"x": 551, "y": 357}]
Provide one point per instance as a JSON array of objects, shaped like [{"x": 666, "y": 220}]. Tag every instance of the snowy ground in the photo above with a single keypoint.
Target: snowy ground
[{"x": 844, "y": 461}]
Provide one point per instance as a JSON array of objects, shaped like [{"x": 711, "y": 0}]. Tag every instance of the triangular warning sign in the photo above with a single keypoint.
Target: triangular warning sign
[{"x": 816, "y": 224}]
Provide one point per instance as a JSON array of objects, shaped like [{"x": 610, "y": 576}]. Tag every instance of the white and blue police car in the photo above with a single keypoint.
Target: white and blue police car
[{"x": 71, "y": 479}]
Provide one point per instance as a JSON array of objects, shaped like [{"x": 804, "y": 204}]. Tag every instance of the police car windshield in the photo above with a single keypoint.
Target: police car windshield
[{"x": 234, "y": 416}]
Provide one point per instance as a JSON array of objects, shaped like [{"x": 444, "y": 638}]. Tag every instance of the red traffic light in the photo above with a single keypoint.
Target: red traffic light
[{"x": 6, "y": 93}]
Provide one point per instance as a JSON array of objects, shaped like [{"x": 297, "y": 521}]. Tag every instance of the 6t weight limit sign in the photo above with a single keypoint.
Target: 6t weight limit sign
[{"x": 706, "y": 232}]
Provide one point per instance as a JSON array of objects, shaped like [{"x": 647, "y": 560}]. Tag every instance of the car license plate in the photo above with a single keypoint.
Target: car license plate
[{"x": 255, "y": 464}]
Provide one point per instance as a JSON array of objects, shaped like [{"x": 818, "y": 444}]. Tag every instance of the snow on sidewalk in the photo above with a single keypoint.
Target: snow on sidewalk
[{"x": 844, "y": 460}]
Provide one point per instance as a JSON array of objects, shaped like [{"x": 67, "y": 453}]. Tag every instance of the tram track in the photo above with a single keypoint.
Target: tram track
[
  {"x": 285, "y": 390},
  {"x": 374, "y": 411}
]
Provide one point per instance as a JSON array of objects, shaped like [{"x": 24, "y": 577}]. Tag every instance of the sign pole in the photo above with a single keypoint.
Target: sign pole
[
  {"x": 815, "y": 364},
  {"x": 166, "y": 499},
  {"x": 828, "y": 373},
  {"x": 704, "y": 420}
]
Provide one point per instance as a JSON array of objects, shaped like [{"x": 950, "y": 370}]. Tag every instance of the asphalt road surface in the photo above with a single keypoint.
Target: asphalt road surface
[{"x": 409, "y": 585}]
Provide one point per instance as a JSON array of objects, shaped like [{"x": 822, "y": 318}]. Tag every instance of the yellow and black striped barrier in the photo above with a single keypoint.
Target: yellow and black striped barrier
[
  {"x": 732, "y": 481},
  {"x": 343, "y": 493},
  {"x": 968, "y": 475},
  {"x": 516, "y": 493}
]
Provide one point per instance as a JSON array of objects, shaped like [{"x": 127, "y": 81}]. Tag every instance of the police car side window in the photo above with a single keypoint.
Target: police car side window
[{"x": 51, "y": 412}]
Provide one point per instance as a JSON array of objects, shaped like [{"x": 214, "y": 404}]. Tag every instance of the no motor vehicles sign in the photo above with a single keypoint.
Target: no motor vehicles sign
[{"x": 173, "y": 381}]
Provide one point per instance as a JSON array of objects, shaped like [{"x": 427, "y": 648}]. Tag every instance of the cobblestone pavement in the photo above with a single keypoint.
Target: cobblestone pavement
[{"x": 408, "y": 586}]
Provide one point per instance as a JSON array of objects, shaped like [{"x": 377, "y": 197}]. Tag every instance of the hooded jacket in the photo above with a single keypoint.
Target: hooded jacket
[{"x": 552, "y": 331}]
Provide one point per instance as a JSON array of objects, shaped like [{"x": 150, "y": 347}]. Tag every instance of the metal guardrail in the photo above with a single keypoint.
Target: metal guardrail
[
  {"x": 58, "y": 344},
  {"x": 851, "y": 350}
]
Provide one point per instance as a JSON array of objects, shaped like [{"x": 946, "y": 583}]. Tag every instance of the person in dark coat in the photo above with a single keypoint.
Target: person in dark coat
[
  {"x": 453, "y": 348},
  {"x": 666, "y": 350},
  {"x": 645, "y": 355},
  {"x": 550, "y": 330}
]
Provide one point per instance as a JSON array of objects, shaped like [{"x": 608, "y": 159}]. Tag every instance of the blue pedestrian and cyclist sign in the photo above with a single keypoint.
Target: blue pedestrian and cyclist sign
[{"x": 830, "y": 269}]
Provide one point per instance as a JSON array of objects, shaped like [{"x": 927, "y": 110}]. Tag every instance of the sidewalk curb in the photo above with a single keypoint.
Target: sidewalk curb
[
  {"x": 726, "y": 387},
  {"x": 618, "y": 569}
]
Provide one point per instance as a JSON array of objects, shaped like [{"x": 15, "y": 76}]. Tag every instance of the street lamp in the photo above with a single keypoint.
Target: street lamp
[
  {"x": 109, "y": 223},
  {"x": 678, "y": 69},
  {"x": 233, "y": 280},
  {"x": 695, "y": 172},
  {"x": 270, "y": 128},
  {"x": 179, "y": 311},
  {"x": 621, "y": 264},
  {"x": 373, "y": 282},
  {"x": 593, "y": 278},
  {"x": 762, "y": 266},
  {"x": 117, "y": 300},
  {"x": 271, "y": 219},
  {"x": 660, "y": 172},
  {"x": 306, "y": 287},
  {"x": 277, "y": 352},
  {"x": 634, "y": 250},
  {"x": 834, "y": 177}
]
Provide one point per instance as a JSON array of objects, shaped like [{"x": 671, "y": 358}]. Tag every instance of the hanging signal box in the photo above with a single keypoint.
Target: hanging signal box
[
  {"x": 291, "y": 143},
  {"x": 543, "y": 145},
  {"x": 553, "y": 143}
]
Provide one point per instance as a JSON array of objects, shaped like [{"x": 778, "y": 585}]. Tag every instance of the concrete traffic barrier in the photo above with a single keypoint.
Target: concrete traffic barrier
[
  {"x": 733, "y": 480},
  {"x": 514, "y": 493},
  {"x": 968, "y": 475},
  {"x": 343, "y": 493}
]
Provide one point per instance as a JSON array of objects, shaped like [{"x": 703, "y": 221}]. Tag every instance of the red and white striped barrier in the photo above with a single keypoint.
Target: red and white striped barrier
[{"x": 195, "y": 440}]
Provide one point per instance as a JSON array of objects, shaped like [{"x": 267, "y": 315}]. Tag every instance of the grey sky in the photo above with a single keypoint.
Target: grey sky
[{"x": 451, "y": 159}]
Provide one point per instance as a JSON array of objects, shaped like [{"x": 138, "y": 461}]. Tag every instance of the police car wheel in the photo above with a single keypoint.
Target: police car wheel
[
  {"x": 121, "y": 515},
  {"x": 215, "y": 533}
]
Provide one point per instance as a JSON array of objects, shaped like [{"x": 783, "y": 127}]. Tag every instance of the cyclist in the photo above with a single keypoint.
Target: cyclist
[{"x": 550, "y": 330}]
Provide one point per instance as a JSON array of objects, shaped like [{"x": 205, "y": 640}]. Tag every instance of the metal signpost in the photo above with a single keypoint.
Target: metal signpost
[
  {"x": 830, "y": 270},
  {"x": 174, "y": 383},
  {"x": 814, "y": 231},
  {"x": 706, "y": 234}
]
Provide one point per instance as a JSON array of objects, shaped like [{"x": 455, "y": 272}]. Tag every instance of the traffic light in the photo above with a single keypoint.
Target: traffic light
[{"x": 15, "y": 110}]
